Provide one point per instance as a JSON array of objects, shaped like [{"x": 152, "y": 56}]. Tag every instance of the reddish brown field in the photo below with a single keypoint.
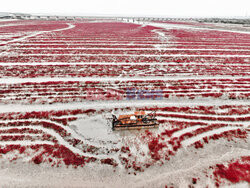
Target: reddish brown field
[{"x": 61, "y": 80}]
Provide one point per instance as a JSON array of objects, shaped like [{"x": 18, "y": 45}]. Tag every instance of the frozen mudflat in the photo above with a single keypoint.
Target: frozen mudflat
[
  {"x": 180, "y": 172},
  {"x": 61, "y": 80}
]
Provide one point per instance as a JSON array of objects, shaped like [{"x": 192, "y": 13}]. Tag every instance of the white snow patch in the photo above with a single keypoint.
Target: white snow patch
[
  {"x": 137, "y": 49},
  {"x": 16, "y": 80},
  {"x": 130, "y": 55},
  {"x": 25, "y": 142},
  {"x": 95, "y": 127},
  {"x": 179, "y": 26},
  {"x": 192, "y": 140},
  {"x": 70, "y": 26},
  {"x": 186, "y": 130},
  {"x": 117, "y": 63},
  {"x": 4, "y": 108}
]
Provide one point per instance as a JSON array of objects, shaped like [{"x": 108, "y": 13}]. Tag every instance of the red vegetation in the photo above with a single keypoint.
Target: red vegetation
[
  {"x": 57, "y": 151},
  {"x": 194, "y": 180},
  {"x": 75, "y": 91},
  {"x": 154, "y": 147},
  {"x": 188, "y": 52},
  {"x": 37, "y": 159},
  {"x": 109, "y": 161},
  {"x": 234, "y": 172},
  {"x": 125, "y": 149}
]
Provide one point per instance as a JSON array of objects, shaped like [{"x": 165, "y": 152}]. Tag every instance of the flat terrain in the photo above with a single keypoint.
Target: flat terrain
[{"x": 61, "y": 80}]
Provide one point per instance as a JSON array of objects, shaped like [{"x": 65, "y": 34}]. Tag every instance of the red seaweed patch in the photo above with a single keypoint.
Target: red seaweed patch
[{"x": 234, "y": 172}]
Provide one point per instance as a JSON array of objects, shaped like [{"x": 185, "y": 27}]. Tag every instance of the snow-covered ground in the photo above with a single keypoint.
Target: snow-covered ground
[{"x": 68, "y": 141}]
